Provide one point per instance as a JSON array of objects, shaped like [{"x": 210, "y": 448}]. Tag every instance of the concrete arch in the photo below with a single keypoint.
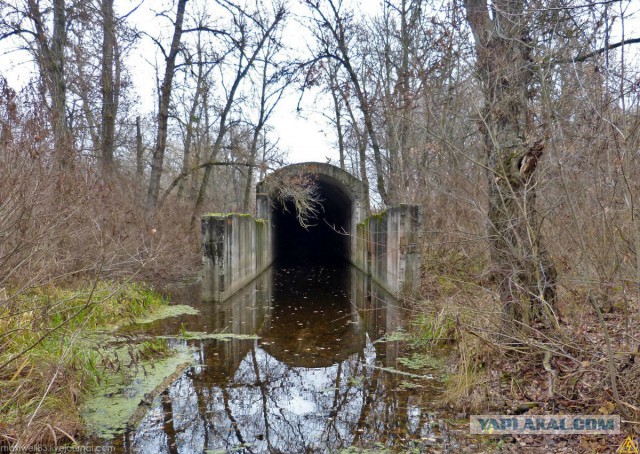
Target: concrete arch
[
  {"x": 344, "y": 205},
  {"x": 238, "y": 247}
]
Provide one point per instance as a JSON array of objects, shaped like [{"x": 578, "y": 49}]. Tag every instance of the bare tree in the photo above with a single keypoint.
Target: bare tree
[
  {"x": 361, "y": 138},
  {"x": 337, "y": 98},
  {"x": 201, "y": 73},
  {"x": 247, "y": 54},
  {"x": 514, "y": 144},
  {"x": 334, "y": 34},
  {"x": 273, "y": 81},
  {"x": 31, "y": 22},
  {"x": 164, "y": 99},
  {"x": 108, "y": 86}
]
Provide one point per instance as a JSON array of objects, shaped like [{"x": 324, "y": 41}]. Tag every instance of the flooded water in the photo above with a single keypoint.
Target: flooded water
[{"x": 308, "y": 369}]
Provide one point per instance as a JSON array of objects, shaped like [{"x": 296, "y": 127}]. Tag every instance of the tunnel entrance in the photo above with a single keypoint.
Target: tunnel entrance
[
  {"x": 330, "y": 235},
  {"x": 325, "y": 239}
]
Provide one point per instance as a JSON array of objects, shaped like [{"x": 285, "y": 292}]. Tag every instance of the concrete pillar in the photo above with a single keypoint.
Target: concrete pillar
[
  {"x": 388, "y": 247},
  {"x": 236, "y": 248}
]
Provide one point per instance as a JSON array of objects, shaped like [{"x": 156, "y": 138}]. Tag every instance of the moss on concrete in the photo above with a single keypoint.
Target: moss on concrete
[
  {"x": 226, "y": 215},
  {"x": 377, "y": 217}
]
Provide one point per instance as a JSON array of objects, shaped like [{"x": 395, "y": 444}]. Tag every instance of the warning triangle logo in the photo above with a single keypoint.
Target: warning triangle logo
[{"x": 628, "y": 447}]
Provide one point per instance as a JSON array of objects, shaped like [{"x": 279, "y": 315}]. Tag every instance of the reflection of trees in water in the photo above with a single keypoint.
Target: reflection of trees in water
[
  {"x": 269, "y": 407},
  {"x": 257, "y": 398}
]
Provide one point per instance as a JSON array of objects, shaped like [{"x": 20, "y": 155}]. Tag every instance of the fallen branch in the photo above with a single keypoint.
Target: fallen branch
[
  {"x": 148, "y": 399},
  {"x": 391, "y": 370}
]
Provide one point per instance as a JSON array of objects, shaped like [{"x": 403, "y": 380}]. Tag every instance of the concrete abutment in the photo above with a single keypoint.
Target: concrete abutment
[{"x": 237, "y": 248}]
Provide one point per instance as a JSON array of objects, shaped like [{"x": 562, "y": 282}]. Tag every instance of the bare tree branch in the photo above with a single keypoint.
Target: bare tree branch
[
  {"x": 188, "y": 172},
  {"x": 602, "y": 50}
]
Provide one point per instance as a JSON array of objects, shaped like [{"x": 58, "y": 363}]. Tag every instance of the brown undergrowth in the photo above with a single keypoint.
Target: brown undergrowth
[
  {"x": 588, "y": 365},
  {"x": 62, "y": 230}
]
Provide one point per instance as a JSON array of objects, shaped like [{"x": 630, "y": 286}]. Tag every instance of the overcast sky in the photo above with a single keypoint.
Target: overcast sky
[{"x": 306, "y": 136}]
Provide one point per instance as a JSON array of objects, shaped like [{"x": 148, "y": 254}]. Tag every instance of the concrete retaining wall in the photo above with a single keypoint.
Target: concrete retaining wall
[
  {"x": 388, "y": 248},
  {"x": 235, "y": 249}
]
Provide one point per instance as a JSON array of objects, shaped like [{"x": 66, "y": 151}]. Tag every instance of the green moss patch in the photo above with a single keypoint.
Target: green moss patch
[{"x": 52, "y": 360}]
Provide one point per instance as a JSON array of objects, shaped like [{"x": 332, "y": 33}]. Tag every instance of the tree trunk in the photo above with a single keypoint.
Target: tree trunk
[
  {"x": 108, "y": 94},
  {"x": 139, "y": 151},
  {"x": 59, "y": 87},
  {"x": 253, "y": 152},
  {"x": 193, "y": 119},
  {"x": 409, "y": 14},
  {"x": 204, "y": 144},
  {"x": 362, "y": 152},
  {"x": 157, "y": 163},
  {"x": 335, "y": 90},
  {"x": 52, "y": 63},
  {"x": 264, "y": 114},
  {"x": 368, "y": 121},
  {"x": 186, "y": 157},
  {"x": 524, "y": 272}
]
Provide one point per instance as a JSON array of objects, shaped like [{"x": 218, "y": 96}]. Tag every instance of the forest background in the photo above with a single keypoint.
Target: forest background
[{"x": 513, "y": 123}]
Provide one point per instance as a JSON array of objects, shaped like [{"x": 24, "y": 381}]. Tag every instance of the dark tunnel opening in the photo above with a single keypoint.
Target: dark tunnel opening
[{"x": 326, "y": 240}]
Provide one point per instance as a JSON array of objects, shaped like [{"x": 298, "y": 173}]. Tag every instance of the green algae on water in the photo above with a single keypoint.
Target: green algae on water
[
  {"x": 108, "y": 411},
  {"x": 166, "y": 312},
  {"x": 190, "y": 335}
]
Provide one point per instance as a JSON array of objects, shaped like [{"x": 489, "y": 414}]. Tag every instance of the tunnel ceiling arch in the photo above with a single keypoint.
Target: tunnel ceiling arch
[
  {"x": 351, "y": 186},
  {"x": 343, "y": 199}
]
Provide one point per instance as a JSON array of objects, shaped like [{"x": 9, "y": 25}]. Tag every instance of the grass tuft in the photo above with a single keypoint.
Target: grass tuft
[{"x": 49, "y": 359}]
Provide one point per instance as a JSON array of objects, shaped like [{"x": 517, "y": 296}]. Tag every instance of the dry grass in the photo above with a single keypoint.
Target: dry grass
[
  {"x": 495, "y": 367},
  {"x": 49, "y": 360},
  {"x": 60, "y": 230},
  {"x": 587, "y": 190}
]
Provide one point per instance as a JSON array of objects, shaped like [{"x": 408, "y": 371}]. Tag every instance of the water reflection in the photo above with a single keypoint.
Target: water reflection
[{"x": 313, "y": 382}]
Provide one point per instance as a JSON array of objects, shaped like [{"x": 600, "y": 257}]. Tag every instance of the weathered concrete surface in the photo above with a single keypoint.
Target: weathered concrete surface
[
  {"x": 388, "y": 248},
  {"x": 342, "y": 183},
  {"x": 235, "y": 249}
]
